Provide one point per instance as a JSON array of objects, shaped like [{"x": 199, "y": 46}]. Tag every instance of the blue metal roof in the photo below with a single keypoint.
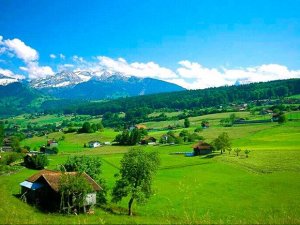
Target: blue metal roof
[{"x": 30, "y": 185}]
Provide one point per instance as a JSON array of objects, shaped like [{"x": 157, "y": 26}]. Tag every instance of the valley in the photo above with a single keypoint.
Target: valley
[{"x": 223, "y": 188}]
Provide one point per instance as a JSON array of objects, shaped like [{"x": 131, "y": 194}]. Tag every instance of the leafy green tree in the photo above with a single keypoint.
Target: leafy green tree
[
  {"x": 87, "y": 164},
  {"x": 86, "y": 128},
  {"x": 232, "y": 117},
  {"x": 198, "y": 129},
  {"x": 184, "y": 135},
  {"x": 37, "y": 162},
  {"x": 186, "y": 123},
  {"x": 136, "y": 174},
  {"x": 92, "y": 167},
  {"x": 1, "y": 132},
  {"x": 237, "y": 151},
  {"x": 247, "y": 152},
  {"x": 222, "y": 142},
  {"x": 129, "y": 137},
  {"x": 73, "y": 190},
  {"x": 281, "y": 118}
]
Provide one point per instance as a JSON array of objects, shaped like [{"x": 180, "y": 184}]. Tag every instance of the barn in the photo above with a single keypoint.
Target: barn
[
  {"x": 202, "y": 148},
  {"x": 42, "y": 189}
]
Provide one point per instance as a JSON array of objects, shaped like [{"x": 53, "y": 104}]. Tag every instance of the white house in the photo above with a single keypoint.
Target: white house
[{"x": 94, "y": 144}]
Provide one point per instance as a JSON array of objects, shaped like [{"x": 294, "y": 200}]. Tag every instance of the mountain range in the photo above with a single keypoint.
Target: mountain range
[{"x": 89, "y": 86}]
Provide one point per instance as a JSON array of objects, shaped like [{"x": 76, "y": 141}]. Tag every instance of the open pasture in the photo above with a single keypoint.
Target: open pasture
[{"x": 261, "y": 189}]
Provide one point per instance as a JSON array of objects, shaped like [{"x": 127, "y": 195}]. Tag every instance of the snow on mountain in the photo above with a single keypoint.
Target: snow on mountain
[
  {"x": 62, "y": 79},
  {"x": 5, "y": 80},
  {"x": 70, "y": 79}
]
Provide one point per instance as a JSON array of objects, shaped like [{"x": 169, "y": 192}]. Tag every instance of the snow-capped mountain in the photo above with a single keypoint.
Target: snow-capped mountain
[
  {"x": 70, "y": 79},
  {"x": 62, "y": 79},
  {"x": 5, "y": 80},
  {"x": 99, "y": 85}
]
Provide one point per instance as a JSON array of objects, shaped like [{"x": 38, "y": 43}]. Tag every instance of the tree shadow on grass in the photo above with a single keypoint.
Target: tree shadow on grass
[
  {"x": 115, "y": 210},
  {"x": 210, "y": 156}
]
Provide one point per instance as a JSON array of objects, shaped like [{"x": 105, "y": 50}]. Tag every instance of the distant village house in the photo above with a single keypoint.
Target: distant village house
[
  {"x": 148, "y": 141},
  {"x": 94, "y": 144}
]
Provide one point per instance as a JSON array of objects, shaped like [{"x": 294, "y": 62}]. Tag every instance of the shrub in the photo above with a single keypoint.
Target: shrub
[
  {"x": 10, "y": 157},
  {"x": 36, "y": 161},
  {"x": 247, "y": 152},
  {"x": 198, "y": 129}
]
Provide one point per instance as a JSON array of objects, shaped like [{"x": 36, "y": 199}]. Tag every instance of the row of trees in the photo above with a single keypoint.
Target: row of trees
[
  {"x": 87, "y": 127},
  {"x": 132, "y": 137}
]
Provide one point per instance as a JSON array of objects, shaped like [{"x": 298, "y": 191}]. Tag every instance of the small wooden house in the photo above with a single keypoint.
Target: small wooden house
[
  {"x": 148, "y": 141},
  {"x": 202, "y": 148},
  {"x": 42, "y": 189}
]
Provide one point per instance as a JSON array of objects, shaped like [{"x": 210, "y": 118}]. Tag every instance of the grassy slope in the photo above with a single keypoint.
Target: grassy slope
[{"x": 263, "y": 188}]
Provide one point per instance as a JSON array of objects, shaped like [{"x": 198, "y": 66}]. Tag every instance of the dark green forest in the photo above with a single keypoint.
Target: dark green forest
[
  {"x": 191, "y": 99},
  {"x": 18, "y": 98}
]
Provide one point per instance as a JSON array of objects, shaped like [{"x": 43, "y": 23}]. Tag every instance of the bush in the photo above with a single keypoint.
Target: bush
[
  {"x": 55, "y": 149},
  {"x": 36, "y": 161},
  {"x": 10, "y": 157},
  {"x": 198, "y": 129}
]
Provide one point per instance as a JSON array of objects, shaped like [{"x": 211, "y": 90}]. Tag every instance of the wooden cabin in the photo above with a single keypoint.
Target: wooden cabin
[{"x": 202, "y": 148}]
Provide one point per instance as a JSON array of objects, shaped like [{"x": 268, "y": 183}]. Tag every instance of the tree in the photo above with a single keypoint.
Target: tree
[
  {"x": 86, "y": 128},
  {"x": 92, "y": 167},
  {"x": 87, "y": 164},
  {"x": 137, "y": 170},
  {"x": 73, "y": 190},
  {"x": 186, "y": 123},
  {"x": 130, "y": 137},
  {"x": 247, "y": 152},
  {"x": 222, "y": 142},
  {"x": 281, "y": 118},
  {"x": 1, "y": 133},
  {"x": 37, "y": 162},
  {"x": 237, "y": 151}
]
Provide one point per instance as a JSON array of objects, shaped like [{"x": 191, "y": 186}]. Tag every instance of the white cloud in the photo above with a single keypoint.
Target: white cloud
[
  {"x": 21, "y": 50},
  {"x": 149, "y": 69},
  {"x": 9, "y": 73},
  {"x": 62, "y": 56},
  {"x": 78, "y": 59},
  {"x": 52, "y": 56},
  {"x": 28, "y": 55},
  {"x": 36, "y": 71},
  {"x": 194, "y": 76}
]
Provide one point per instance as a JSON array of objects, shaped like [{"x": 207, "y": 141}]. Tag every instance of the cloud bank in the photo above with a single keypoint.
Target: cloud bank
[
  {"x": 17, "y": 48},
  {"x": 188, "y": 74}
]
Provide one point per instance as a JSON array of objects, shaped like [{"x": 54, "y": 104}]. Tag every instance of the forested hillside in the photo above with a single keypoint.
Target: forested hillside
[
  {"x": 184, "y": 99},
  {"x": 17, "y": 98}
]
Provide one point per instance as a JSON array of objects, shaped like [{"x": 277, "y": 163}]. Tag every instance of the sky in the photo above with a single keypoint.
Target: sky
[{"x": 194, "y": 43}]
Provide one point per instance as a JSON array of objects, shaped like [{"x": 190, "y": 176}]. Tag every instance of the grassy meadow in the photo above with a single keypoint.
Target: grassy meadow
[{"x": 223, "y": 189}]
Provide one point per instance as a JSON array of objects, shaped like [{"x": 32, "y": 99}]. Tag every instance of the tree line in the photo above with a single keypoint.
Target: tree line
[{"x": 190, "y": 99}]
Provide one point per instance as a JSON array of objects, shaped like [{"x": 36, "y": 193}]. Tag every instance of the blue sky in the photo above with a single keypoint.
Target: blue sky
[{"x": 193, "y": 43}]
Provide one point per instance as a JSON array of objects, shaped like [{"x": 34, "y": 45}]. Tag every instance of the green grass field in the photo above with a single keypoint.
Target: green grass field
[{"x": 222, "y": 189}]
